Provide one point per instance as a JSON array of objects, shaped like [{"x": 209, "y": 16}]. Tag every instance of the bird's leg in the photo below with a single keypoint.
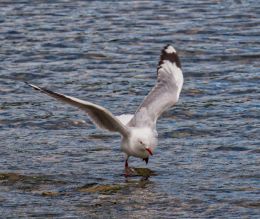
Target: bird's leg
[
  {"x": 126, "y": 166},
  {"x": 126, "y": 163},
  {"x": 126, "y": 160}
]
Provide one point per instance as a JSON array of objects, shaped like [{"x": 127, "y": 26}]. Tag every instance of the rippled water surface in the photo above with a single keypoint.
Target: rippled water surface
[{"x": 55, "y": 164}]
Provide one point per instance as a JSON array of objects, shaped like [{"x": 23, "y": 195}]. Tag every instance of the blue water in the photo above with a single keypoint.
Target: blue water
[{"x": 207, "y": 162}]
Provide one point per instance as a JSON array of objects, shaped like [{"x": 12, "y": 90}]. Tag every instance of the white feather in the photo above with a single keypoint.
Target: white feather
[
  {"x": 125, "y": 118},
  {"x": 170, "y": 49}
]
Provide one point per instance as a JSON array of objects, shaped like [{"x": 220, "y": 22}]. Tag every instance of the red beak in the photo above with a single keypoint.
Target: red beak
[{"x": 149, "y": 151}]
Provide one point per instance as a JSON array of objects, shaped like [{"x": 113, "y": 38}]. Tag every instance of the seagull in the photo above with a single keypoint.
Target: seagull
[{"x": 138, "y": 132}]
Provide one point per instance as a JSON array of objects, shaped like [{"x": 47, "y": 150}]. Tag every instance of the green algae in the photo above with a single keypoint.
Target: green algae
[
  {"x": 27, "y": 183},
  {"x": 108, "y": 189},
  {"x": 143, "y": 172}
]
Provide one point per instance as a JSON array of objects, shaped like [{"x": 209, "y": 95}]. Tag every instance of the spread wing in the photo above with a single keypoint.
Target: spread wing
[
  {"x": 164, "y": 94},
  {"x": 100, "y": 116}
]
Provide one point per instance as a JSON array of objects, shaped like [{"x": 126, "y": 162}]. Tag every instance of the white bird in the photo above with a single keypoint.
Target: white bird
[{"x": 138, "y": 131}]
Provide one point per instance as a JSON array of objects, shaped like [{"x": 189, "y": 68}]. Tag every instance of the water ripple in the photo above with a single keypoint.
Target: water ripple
[{"x": 55, "y": 163}]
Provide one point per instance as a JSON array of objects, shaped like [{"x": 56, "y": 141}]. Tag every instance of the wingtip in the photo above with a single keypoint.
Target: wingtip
[
  {"x": 31, "y": 85},
  {"x": 27, "y": 83},
  {"x": 170, "y": 54},
  {"x": 169, "y": 49}
]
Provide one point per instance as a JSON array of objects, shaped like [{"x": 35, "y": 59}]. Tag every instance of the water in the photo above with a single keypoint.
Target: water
[{"x": 55, "y": 163}]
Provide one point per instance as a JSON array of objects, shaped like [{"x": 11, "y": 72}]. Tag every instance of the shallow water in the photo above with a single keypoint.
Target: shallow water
[{"x": 55, "y": 163}]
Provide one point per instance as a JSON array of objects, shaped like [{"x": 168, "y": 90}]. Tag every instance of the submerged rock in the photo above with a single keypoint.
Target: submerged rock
[
  {"x": 50, "y": 194},
  {"x": 101, "y": 188},
  {"x": 27, "y": 183},
  {"x": 10, "y": 178},
  {"x": 144, "y": 172}
]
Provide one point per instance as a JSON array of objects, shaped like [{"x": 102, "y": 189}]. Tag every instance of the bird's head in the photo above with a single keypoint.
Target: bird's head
[
  {"x": 145, "y": 146},
  {"x": 143, "y": 141}
]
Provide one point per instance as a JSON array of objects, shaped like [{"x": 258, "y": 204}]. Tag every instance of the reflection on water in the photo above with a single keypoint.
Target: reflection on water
[{"x": 55, "y": 163}]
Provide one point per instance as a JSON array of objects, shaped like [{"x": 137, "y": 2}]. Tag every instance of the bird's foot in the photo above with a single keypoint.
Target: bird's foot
[{"x": 126, "y": 174}]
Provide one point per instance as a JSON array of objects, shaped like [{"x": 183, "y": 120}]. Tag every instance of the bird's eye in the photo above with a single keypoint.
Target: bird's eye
[{"x": 141, "y": 142}]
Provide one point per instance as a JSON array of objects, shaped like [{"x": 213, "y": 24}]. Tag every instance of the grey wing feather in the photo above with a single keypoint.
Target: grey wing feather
[
  {"x": 165, "y": 93},
  {"x": 99, "y": 115}
]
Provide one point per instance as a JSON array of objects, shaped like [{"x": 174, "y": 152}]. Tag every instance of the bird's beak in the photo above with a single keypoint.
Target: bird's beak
[{"x": 149, "y": 151}]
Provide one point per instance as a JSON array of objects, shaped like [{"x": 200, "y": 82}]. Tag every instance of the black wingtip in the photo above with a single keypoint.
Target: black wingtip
[
  {"x": 27, "y": 83},
  {"x": 33, "y": 86},
  {"x": 44, "y": 90},
  {"x": 169, "y": 53}
]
